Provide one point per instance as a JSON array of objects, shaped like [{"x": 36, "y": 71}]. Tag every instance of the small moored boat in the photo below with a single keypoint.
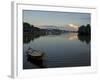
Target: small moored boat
[{"x": 36, "y": 54}]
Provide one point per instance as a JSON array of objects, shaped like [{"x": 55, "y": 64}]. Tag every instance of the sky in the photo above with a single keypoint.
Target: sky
[{"x": 60, "y": 19}]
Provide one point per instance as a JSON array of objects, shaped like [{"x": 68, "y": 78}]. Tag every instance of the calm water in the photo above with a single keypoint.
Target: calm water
[{"x": 65, "y": 50}]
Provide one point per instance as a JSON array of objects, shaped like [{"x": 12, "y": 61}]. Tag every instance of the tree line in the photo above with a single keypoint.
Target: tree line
[{"x": 84, "y": 30}]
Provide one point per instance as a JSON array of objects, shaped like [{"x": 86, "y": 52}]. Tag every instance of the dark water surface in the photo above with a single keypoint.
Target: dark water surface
[{"x": 65, "y": 50}]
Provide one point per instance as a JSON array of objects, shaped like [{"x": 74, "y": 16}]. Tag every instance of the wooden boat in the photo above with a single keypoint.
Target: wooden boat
[{"x": 35, "y": 54}]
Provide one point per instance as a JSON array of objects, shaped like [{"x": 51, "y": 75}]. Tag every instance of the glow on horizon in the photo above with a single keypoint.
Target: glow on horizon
[{"x": 60, "y": 19}]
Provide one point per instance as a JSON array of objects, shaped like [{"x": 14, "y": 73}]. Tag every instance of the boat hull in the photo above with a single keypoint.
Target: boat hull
[{"x": 36, "y": 57}]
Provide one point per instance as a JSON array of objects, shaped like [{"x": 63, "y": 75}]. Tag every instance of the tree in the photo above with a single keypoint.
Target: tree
[
  {"x": 26, "y": 25},
  {"x": 84, "y": 30}
]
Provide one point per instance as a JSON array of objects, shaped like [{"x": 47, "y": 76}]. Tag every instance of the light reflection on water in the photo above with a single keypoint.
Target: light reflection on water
[{"x": 65, "y": 50}]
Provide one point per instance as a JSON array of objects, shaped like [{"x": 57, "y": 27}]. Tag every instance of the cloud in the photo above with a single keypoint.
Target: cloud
[{"x": 73, "y": 26}]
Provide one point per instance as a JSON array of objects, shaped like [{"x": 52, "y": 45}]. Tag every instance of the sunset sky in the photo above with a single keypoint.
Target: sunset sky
[{"x": 60, "y": 19}]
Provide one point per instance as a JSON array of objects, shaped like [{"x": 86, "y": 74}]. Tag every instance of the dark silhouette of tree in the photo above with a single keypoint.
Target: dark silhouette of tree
[
  {"x": 84, "y": 30},
  {"x": 30, "y": 32},
  {"x": 29, "y": 28},
  {"x": 26, "y": 25},
  {"x": 88, "y": 29},
  {"x": 84, "y": 33}
]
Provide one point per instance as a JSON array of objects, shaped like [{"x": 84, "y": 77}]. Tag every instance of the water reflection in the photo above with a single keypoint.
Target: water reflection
[
  {"x": 84, "y": 38},
  {"x": 61, "y": 50},
  {"x": 72, "y": 36},
  {"x": 38, "y": 62},
  {"x": 27, "y": 38}
]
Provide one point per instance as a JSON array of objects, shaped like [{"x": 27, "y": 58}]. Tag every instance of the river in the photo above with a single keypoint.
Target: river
[{"x": 64, "y": 50}]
